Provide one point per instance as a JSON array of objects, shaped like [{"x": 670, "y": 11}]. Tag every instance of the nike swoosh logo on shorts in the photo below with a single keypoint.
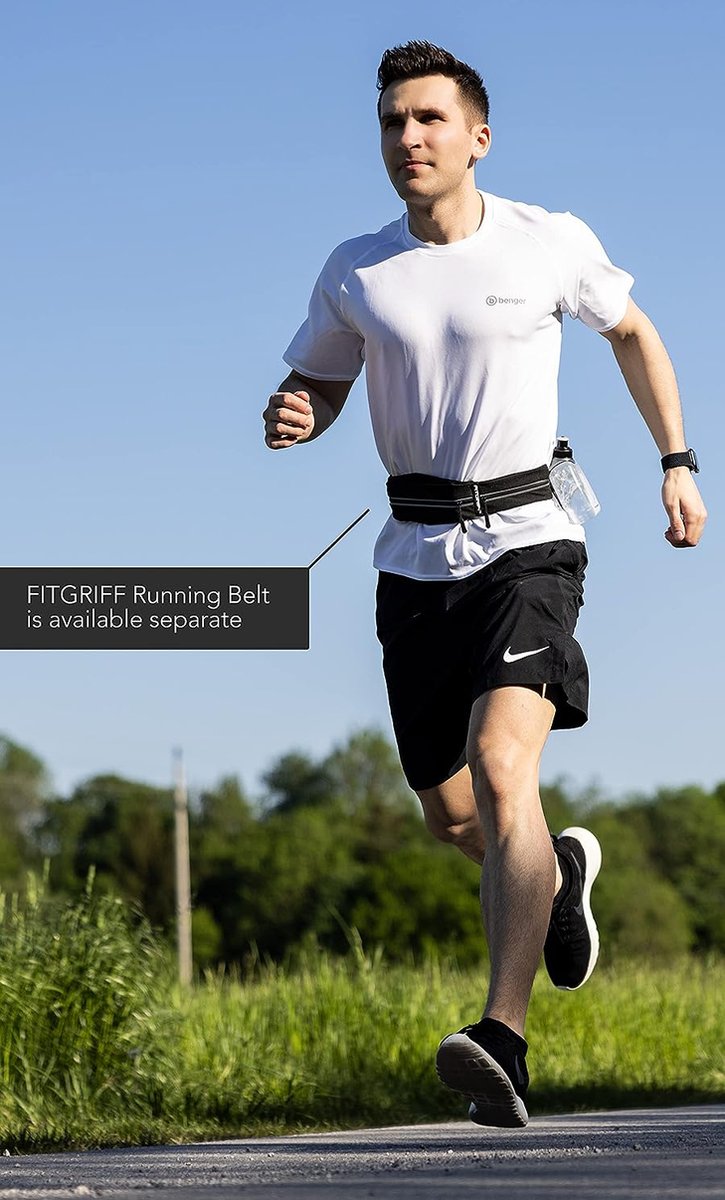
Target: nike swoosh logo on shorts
[{"x": 509, "y": 657}]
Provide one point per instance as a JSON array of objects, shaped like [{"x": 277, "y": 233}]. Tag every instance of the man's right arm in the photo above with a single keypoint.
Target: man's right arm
[{"x": 302, "y": 408}]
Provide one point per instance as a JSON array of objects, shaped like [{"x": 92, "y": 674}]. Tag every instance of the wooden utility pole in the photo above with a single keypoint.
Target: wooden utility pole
[{"x": 183, "y": 871}]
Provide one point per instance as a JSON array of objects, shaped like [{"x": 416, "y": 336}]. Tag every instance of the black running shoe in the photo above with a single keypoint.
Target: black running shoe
[
  {"x": 572, "y": 943},
  {"x": 487, "y": 1063}
]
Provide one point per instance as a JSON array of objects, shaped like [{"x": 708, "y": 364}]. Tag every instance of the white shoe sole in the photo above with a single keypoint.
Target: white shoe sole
[
  {"x": 593, "y": 860},
  {"x": 466, "y": 1067}
]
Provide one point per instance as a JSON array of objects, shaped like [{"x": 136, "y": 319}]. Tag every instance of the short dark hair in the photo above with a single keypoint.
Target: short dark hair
[{"x": 416, "y": 59}]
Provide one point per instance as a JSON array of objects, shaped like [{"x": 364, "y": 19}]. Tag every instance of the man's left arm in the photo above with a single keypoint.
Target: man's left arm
[{"x": 649, "y": 375}]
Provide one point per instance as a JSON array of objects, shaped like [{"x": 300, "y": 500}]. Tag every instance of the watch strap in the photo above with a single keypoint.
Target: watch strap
[{"x": 683, "y": 458}]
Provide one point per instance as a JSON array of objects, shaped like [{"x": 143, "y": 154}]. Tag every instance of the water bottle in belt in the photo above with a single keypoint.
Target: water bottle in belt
[{"x": 570, "y": 485}]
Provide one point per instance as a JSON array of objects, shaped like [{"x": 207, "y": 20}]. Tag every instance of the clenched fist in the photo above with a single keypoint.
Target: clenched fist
[
  {"x": 288, "y": 419},
  {"x": 685, "y": 508}
]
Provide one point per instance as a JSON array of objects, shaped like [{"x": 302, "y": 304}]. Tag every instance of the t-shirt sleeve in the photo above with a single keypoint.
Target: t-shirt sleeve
[
  {"x": 593, "y": 289},
  {"x": 327, "y": 345}
]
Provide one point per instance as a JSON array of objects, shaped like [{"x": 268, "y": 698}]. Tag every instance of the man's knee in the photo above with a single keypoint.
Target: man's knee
[
  {"x": 506, "y": 737},
  {"x": 505, "y": 776},
  {"x": 497, "y": 767},
  {"x": 466, "y": 835},
  {"x": 451, "y": 814},
  {"x": 446, "y": 829}
]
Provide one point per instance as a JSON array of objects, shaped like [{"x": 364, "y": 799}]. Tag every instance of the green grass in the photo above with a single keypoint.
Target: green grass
[{"x": 98, "y": 1047}]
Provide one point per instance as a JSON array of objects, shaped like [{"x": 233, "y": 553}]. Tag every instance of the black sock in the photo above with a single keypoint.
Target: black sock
[{"x": 500, "y": 1030}]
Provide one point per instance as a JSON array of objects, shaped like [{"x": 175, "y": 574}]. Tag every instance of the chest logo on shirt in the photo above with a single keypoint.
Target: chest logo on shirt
[{"x": 491, "y": 300}]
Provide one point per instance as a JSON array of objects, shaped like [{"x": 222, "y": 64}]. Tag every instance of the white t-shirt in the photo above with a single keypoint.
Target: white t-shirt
[{"x": 461, "y": 345}]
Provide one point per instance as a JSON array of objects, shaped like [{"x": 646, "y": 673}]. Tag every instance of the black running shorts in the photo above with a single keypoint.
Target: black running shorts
[{"x": 446, "y": 642}]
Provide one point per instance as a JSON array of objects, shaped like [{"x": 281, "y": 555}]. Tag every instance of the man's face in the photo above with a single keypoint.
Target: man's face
[{"x": 427, "y": 141}]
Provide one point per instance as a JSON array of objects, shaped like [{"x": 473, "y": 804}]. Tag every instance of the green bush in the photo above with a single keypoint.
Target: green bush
[{"x": 81, "y": 987}]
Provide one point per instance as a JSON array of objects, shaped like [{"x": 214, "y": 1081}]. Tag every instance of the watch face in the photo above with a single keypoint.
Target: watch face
[{"x": 693, "y": 460}]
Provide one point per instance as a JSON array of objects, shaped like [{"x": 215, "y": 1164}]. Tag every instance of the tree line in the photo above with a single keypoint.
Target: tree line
[{"x": 335, "y": 847}]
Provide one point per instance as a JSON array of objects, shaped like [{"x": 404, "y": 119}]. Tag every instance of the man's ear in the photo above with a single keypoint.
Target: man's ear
[{"x": 483, "y": 141}]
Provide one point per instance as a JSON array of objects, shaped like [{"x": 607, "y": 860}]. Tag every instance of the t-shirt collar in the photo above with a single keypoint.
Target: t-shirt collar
[{"x": 457, "y": 247}]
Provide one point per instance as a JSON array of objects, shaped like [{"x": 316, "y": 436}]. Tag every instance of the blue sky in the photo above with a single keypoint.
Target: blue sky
[{"x": 175, "y": 173}]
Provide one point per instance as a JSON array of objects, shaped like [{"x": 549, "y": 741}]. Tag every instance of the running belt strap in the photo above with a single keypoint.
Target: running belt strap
[{"x": 434, "y": 501}]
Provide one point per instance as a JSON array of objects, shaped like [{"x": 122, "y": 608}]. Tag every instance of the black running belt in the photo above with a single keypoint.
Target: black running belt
[{"x": 434, "y": 501}]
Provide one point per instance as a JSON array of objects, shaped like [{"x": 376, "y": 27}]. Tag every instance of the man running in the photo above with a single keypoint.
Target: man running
[{"x": 456, "y": 310}]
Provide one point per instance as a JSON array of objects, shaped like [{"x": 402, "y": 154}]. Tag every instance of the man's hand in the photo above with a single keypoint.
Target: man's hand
[
  {"x": 684, "y": 507},
  {"x": 288, "y": 419}
]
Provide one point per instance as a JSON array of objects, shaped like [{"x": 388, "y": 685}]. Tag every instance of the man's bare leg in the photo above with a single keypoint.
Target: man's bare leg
[
  {"x": 508, "y": 730},
  {"x": 452, "y": 816}
]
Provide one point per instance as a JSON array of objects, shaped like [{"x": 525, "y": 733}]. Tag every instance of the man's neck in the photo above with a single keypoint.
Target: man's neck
[{"x": 447, "y": 220}]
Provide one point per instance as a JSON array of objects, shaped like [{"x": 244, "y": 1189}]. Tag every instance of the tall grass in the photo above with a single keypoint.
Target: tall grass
[
  {"x": 348, "y": 1042},
  {"x": 98, "y": 1046},
  {"x": 84, "y": 995}
]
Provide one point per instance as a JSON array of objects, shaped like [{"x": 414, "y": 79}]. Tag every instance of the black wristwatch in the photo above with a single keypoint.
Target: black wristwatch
[{"x": 686, "y": 458}]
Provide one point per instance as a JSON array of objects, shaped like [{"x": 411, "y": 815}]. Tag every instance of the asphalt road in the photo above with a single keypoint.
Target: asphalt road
[{"x": 665, "y": 1154}]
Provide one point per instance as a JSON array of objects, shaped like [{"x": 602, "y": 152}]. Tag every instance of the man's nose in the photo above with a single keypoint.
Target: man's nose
[{"x": 410, "y": 134}]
